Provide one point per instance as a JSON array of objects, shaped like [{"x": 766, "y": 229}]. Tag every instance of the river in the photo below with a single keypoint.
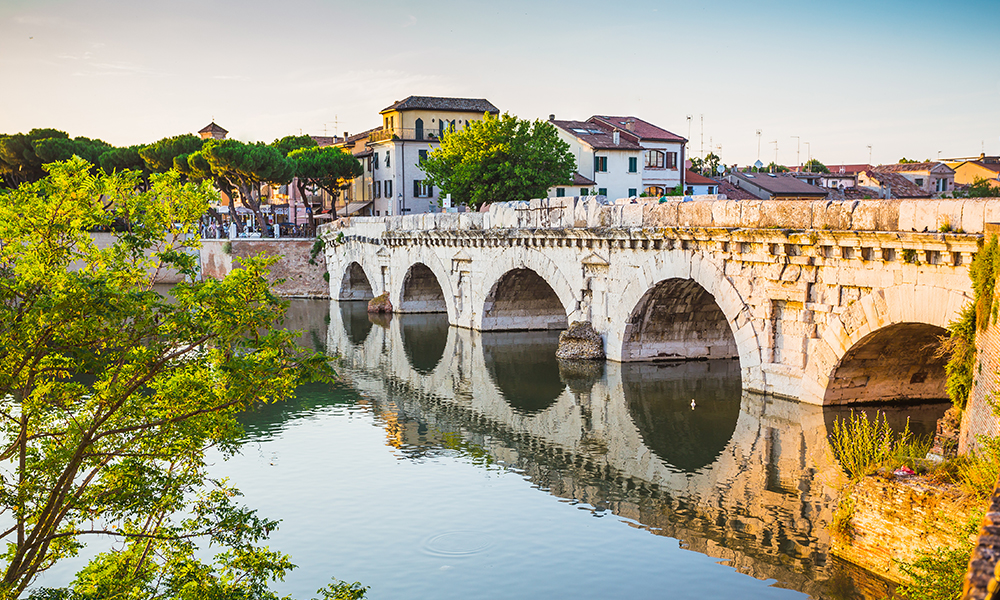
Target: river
[{"x": 449, "y": 463}]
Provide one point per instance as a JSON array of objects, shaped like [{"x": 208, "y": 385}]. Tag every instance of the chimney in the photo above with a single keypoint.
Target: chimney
[
  {"x": 616, "y": 136},
  {"x": 346, "y": 135},
  {"x": 552, "y": 117},
  {"x": 630, "y": 124}
]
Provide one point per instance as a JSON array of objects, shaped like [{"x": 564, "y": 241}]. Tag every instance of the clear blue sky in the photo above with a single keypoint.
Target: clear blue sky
[{"x": 911, "y": 78}]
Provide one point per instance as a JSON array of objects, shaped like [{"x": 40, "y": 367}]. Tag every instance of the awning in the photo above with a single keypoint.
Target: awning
[{"x": 356, "y": 207}]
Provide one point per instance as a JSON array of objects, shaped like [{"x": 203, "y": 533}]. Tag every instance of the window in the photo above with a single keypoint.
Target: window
[
  {"x": 440, "y": 127},
  {"x": 560, "y": 192},
  {"x": 423, "y": 157},
  {"x": 584, "y": 192},
  {"x": 654, "y": 190},
  {"x": 378, "y": 189},
  {"x": 654, "y": 159},
  {"x": 376, "y": 161},
  {"x": 369, "y": 164},
  {"x": 418, "y": 131},
  {"x": 942, "y": 185},
  {"x": 600, "y": 164},
  {"x": 388, "y": 188},
  {"x": 671, "y": 160},
  {"x": 711, "y": 189},
  {"x": 632, "y": 191},
  {"x": 689, "y": 190},
  {"x": 387, "y": 159},
  {"x": 422, "y": 190},
  {"x": 919, "y": 181},
  {"x": 602, "y": 191},
  {"x": 633, "y": 164}
]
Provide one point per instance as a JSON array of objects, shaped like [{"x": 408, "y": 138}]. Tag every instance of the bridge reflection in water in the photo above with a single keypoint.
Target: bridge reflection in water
[{"x": 737, "y": 476}]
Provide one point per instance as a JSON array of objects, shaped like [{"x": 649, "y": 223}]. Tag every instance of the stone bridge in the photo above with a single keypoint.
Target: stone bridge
[{"x": 822, "y": 301}]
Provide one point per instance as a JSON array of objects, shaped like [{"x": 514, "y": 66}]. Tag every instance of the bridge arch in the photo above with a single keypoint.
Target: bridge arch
[
  {"x": 413, "y": 290},
  {"x": 529, "y": 292},
  {"x": 901, "y": 322},
  {"x": 698, "y": 279},
  {"x": 354, "y": 283}
]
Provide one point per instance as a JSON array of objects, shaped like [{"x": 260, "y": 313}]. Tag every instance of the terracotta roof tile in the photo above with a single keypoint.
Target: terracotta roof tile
[
  {"x": 597, "y": 137},
  {"x": 644, "y": 130},
  {"x": 212, "y": 128},
  {"x": 780, "y": 184},
  {"x": 734, "y": 193},
  {"x": 904, "y": 167},
  {"x": 477, "y": 105},
  {"x": 900, "y": 186},
  {"x": 696, "y": 179}
]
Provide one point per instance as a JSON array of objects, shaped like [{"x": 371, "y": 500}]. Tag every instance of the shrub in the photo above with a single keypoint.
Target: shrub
[
  {"x": 937, "y": 575},
  {"x": 862, "y": 446}
]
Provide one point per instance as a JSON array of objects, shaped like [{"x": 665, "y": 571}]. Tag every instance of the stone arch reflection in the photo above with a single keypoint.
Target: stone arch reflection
[
  {"x": 524, "y": 367},
  {"x": 677, "y": 319},
  {"x": 425, "y": 337},
  {"x": 659, "y": 395},
  {"x": 357, "y": 325},
  {"x": 895, "y": 362}
]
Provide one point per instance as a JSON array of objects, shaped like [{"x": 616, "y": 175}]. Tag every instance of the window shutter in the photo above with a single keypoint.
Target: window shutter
[{"x": 416, "y": 187}]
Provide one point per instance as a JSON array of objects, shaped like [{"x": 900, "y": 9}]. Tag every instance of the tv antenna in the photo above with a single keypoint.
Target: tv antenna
[
  {"x": 869, "y": 154},
  {"x": 758, "y": 144},
  {"x": 798, "y": 155}
]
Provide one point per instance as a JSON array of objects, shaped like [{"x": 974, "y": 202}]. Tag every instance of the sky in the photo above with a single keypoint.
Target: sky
[{"x": 839, "y": 82}]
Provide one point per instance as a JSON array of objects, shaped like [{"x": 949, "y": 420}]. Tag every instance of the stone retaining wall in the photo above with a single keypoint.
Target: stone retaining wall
[
  {"x": 980, "y": 417},
  {"x": 301, "y": 279},
  {"x": 893, "y": 521}
]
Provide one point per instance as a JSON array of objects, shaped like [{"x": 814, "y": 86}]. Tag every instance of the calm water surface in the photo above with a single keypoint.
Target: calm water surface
[{"x": 455, "y": 464}]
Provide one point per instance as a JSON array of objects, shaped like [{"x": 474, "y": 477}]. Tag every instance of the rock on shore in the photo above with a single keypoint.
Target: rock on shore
[{"x": 380, "y": 304}]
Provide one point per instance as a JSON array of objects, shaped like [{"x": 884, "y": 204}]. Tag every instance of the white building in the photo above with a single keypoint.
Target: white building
[
  {"x": 393, "y": 182},
  {"x": 609, "y": 159},
  {"x": 663, "y": 152}
]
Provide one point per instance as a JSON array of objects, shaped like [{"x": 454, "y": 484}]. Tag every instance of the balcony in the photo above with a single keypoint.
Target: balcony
[{"x": 401, "y": 133}]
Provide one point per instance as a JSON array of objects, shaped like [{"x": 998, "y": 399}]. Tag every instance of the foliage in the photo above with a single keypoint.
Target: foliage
[
  {"x": 979, "y": 188},
  {"x": 940, "y": 574},
  {"x": 159, "y": 156},
  {"x": 960, "y": 348},
  {"x": 110, "y": 394},
  {"x": 706, "y": 166},
  {"x": 910, "y": 161},
  {"x": 978, "y": 471},
  {"x": 318, "y": 245},
  {"x": 341, "y": 590},
  {"x": 327, "y": 168},
  {"x": 499, "y": 159},
  {"x": 814, "y": 166},
  {"x": 244, "y": 168},
  {"x": 675, "y": 191},
  {"x": 22, "y": 155},
  {"x": 290, "y": 143},
  {"x": 863, "y": 446},
  {"x": 910, "y": 256},
  {"x": 983, "y": 272},
  {"x": 774, "y": 167},
  {"x": 841, "y": 522}
]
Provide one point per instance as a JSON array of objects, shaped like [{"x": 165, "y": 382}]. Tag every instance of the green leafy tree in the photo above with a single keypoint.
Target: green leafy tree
[
  {"x": 290, "y": 143},
  {"x": 126, "y": 159},
  {"x": 246, "y": 167},
  {"x": 326, "y": 168},
  {"x": 58, "y": 149},
  {"x": 499, "y": 159},
  {"x": 774, "y": 167},
  {"x": 159, "y": 155},
  {"x": 110, "y": 394},
  {"x": 711, "y": 163},
  {"x": 19, "y": 163},
  {"x": 696, "y": 164},
  {"x": 814, "y": 166},
  {"x": 980, "y": 188}
]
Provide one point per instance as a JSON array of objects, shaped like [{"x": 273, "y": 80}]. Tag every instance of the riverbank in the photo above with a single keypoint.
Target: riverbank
[{"x": 299, "y": 273}]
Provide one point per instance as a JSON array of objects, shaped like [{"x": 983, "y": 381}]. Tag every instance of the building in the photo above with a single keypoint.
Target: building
[
  {"x": 699, "y": 185},
  {"x": 212, "y": 131},
  {"x": 410, "y": 129},
  {"x": 775, "y": 186},
  {"x": 663, "y": 152},
  {"x": 986, "y": 167},
  {"x": 609, "y": 159},
  {"x": 888, "y": 184},
  {"x": 931, "y": 177}
]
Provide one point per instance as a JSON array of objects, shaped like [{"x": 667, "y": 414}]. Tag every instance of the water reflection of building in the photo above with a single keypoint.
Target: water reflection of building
[{"x": 742, "y": 478}]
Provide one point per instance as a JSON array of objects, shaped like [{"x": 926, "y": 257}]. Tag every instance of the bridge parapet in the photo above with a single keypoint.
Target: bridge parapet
[{"x": 968, "y": 215}]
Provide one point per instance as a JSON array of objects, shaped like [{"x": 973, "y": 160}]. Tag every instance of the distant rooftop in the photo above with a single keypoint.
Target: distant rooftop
[
  {"x": 900, "y": 186},
  {"x": 476, "y": 105},
  {"x": 780, "y": 184},
  {"x": 212, "y": 128},
  {"x": 644, "y": 130},
  {"x": 906, "y": 167},
  {"x": 597, "y": 137}
]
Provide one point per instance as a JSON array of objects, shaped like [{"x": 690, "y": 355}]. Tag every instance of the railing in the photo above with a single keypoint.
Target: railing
[{"x": 403, "y": 133}]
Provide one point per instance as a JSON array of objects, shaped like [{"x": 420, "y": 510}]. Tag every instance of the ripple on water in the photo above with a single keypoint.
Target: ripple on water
[{"x": 456, "y": 543}]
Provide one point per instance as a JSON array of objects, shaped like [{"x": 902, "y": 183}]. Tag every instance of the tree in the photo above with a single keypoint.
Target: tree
[
  {"x": 327, "y": 168},
  {"x": 290, "y": 143},
  {"x": 774, "y": 167},
  {"x": 110, "y": 394},
  {"x": 159, "y": 155},
  {"x": 499, "y": 159},
  {"x": 980, "y": 188},
  {"x": 18, "y": 161},
  {"x": 126, "y": 159},
  {"x": 246, "y": 167},
  {"x": 814, "y": 166}
]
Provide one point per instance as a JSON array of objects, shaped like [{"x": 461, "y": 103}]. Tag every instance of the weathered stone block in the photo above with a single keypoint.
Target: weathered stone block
[{"x": 580, "y": 342}]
